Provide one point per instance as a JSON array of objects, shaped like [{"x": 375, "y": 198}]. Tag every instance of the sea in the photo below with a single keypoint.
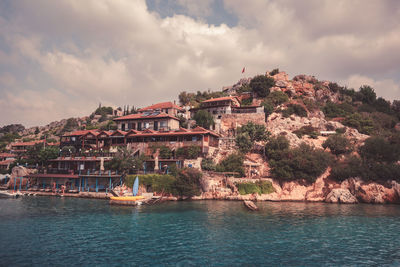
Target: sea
[{"x": 49, "y": 231}]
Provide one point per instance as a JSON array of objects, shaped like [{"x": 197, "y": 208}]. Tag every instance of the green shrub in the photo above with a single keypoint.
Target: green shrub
[
  {"x": 259, "y": 187},
  {"x": 340, "y": 130},
  {"x": 154, "y": 182},
  {"x": 188, "y": 182},
  {"x": 191, "y": 152},
  {"x": 256, "y": 132},
  {"x": 310, "y": 104},
  {"x": 261, "y": 85},
  {"x": 204, "y": 119},
  {"x": 274, "y": 72},
  {"x": 349, "y": 168},
  {"x": 243, "y": 142},
  {"x": 306, "y": 130},
  {"x": 232, "y": 163},
  {"x": 165, "y": 152},
  {"x": 275, "y": 146},
  {"x": 247, "y": 102},
  {"x": 268, "y": 108},
  {"x": 338, "y": 144},
  {"x": 361, "y": 122},
  {"x": 333, "y": 110},
  {"x": 366, "y": 94},
  {"x": 303, "y": 162},
  {"x": 334, "y": 87},
  {"x": 277, "y": 98},
  {"x": 294, "y": 109},
  {"x": 181, "y": 152},
  {"x": 377, "y": 149},
  {"x": 208, "y": 164}
]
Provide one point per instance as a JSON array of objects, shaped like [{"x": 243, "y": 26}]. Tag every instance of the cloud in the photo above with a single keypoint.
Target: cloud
[
  {"x": 62, "y": 63},
  {"x": 386, "y": 88}
]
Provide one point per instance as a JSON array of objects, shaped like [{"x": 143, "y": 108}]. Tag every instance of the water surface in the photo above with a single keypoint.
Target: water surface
[{"x": 44, "y": 231}]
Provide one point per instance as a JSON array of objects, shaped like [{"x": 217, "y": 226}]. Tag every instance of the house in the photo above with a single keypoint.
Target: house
[
  {"x": 6, "y": 159},
  {"x": 22, "y": 147},
  {"x": 218, "y": 106},
  {"x": 75, "y": 139},
  {"x": 164, "y": 107},
  {"x": 141, "y": 141},
  {"x": 148, "y": 120},
  {"x": 76, "y": 174}
]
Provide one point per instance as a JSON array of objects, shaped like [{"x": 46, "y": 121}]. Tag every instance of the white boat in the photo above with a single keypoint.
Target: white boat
[{"x": 6, "y": 194}]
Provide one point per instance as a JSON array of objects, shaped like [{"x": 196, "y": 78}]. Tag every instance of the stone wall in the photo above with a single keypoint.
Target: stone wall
[{"x": 230, "y": 122}]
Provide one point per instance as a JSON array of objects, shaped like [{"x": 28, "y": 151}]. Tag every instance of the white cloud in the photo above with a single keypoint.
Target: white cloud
[{"x": 116, "y": 52}]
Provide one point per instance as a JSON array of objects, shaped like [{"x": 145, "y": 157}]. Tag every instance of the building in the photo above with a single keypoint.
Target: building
[
  {"x": 6, "y": 159},
  {"x": 218, "y": 106},
  {"x": 164, "y": 107},
  {"x": 148, "y": 120},
  {"x": 140, "y": 140},
  {"x": 22, "y": 147}
]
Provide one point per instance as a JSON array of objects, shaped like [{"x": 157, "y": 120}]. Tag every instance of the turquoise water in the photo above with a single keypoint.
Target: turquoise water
[{"x": 41, "y": 231}]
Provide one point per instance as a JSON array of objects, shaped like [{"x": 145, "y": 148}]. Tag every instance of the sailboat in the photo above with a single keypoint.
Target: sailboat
[{"x": 129, "y": 200}]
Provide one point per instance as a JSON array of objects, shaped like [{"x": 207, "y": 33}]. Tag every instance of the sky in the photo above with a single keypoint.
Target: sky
[{"x": 60, "y": 59}]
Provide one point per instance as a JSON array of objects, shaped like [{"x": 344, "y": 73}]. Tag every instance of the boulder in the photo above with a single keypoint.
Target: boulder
[{"x": 341, "y": 195}]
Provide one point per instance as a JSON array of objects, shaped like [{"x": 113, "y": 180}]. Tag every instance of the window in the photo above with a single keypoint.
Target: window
[
  {"x": 146, "y": 125},
  {"x": 156, "y": 126},
  {"x": 129, "y": 126},
  {"x": 194, "y": 138},
  {"x": 139, "y": 126},
  {"x": 163, "y": 124},
  {"x": 123, "y": 126}
]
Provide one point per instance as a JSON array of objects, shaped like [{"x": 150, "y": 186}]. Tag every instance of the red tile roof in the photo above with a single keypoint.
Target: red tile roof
[
  {"x": 7, "y": 155},
  {"x": 80, "y": 133},
  {"x": 197, "y": 130},
  {"x": 140, "y": 116},
  {"x": 7, "y": 161},
  {"x": 31, "y": 143},
  {"x": 220, "y": 99},
  {"x": 119, "y": 132},
  {"x": 48, "y": 175},
  {"x": 162, "y": 105}
]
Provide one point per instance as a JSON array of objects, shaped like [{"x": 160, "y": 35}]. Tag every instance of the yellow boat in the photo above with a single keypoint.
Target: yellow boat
[{"x": 128, "y": 198}]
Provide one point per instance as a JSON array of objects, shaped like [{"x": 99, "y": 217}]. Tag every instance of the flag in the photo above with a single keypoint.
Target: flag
[{"x": 244, "y": 68}]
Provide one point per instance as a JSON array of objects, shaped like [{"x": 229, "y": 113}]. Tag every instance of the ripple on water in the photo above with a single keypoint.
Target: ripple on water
[{"x": 51, "y": 231}]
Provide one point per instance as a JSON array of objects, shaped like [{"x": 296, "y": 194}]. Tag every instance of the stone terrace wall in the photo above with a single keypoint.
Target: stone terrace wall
[{"x": 230, "y": 122}]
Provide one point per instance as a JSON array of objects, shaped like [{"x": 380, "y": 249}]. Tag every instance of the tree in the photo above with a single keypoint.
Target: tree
[
  {"x": 243, "y": 142},
  {"x": 165, "y": 152},
  {"x": 37, "y": 130},
  {"x": 47, "y": 154},
  {"x": 338, "y": 144},
  {"x": 274, "y": 72},
  {"x": 256, "y": 132},
  {"x": 208, "y": 164},
  {"x": 366, "y": 94},
  {"x": 124, "y": 161},
  {"x": 275, "y": 146},
  {"x": 185, "y": 98},
  {"x": 188, "y": 182},
  {"x": 377, "y": 149},
  {"x": 232, "y": 163},
  {"x": 70, "y": 125},
  {"x": 204, "y": 119},
  {"x": 268, "y": 108},
  {"x": 277, "y": 98},
  {"x": 261, "y": 85},
  {"x": 303, "y": 162}
]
